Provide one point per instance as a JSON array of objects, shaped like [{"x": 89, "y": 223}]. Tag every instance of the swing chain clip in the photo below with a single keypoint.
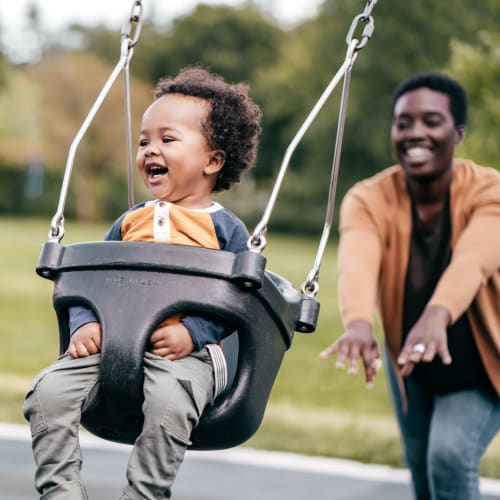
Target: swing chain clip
[
  {"x": 56, "y": 231},
  {"x": 135, "y": 18},
  {"x": 367, "y": 18},
  {"x": 257, "y": 242},
  {"x": 310, "y": 287}
]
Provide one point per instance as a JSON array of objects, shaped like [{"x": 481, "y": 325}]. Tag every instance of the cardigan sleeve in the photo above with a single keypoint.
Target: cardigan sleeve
[{"x": 359, "y": 258}]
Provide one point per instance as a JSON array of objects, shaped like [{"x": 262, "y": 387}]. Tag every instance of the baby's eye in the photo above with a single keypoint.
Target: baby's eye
[
  {"x": 143, "y": 142},
  {"x": 166, "y": 140}
]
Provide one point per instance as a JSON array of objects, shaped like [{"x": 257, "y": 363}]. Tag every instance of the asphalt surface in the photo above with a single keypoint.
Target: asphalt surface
[{"x": 237, "y": 474}]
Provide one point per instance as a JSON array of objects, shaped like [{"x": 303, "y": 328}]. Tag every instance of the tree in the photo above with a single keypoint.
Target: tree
[
  {"x": 229, "y": 41},
  {"x": 20, "y": 128},
  {"x": 409, "y": 37},
  {"x": 67, "y": 86},
  {"x": 288, "y": 71},
  {"x": 477, "y": 67}
]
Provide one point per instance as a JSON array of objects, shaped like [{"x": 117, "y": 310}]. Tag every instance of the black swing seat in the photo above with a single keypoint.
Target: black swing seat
[{"x": 132, "y": 286}]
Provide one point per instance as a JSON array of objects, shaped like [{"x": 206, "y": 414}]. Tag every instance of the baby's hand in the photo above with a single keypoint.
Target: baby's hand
[
  {"x": 85, "y": 341},
  {"x": 171, "y": 341}
]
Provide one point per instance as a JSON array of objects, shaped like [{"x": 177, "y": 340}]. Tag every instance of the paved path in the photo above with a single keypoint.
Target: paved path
[{"x": 237, "y": 474}]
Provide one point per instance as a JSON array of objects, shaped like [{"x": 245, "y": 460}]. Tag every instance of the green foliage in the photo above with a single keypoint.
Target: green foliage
[
  {"x": 20, "y": 105},
  {"x": 15, "y": 195},
  {"x": 101, "y": 155},
  {"x": 409, "y": 37},
  {"x": 477, "y": 66},
  {"x": 287, "y": 70},
  {"x": 100, "y": 41},
  {"x": 3, "y": 70},
  {"x": 229, "y": 41}
]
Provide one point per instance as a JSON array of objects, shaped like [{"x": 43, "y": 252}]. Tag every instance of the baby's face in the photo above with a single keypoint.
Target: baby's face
[{"x": 173, "y": 156}]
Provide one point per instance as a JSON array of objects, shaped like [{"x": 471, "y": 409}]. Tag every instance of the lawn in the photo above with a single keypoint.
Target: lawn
[{"x": 313, "y": 409}]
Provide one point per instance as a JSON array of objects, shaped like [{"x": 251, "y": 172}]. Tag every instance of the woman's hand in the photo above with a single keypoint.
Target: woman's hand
[
  {"x": 357, "y": 341},
  {"x": 426, "y": 339}
]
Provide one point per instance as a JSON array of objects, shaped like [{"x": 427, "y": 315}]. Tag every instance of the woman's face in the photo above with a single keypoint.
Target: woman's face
[{"x": 424, "y": 133}]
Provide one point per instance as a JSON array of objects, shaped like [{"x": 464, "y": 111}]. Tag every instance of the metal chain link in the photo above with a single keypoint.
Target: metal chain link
[
  {"x": 369, "y": 28},
  {"x": 134, "y": 24}
]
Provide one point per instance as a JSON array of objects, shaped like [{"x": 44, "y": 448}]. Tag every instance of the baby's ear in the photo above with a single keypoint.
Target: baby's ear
[{"x": 216, "y": 161}]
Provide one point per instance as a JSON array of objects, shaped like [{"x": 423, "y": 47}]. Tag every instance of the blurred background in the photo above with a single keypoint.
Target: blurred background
[
  {"x": 55, "y": 57},
  {"x": 50, "y": 73}
]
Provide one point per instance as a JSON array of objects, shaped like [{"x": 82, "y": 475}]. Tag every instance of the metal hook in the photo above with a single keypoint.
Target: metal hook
[{"x": 366, "y": 33}]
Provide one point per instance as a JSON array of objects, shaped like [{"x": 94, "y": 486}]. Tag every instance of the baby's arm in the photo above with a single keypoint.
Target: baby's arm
[
  {"x": 171, "y": 341},
  {"x": 85, "y": 341}
]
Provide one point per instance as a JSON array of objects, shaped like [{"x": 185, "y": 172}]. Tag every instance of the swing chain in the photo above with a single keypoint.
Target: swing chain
[
  {"x": 310, "y": 286},
  {"x": 56, "y": 231},
  {"x": 367, "y": 18},
  {"x": 127, "y": 50},
  {"x": 369, "y": 7},
  {"x": 134, "y": 19}
]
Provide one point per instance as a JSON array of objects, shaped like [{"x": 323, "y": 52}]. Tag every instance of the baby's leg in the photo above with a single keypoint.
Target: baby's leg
[
  {"x": 176, "y": 393},
  {"x": 53, "y": 406}
]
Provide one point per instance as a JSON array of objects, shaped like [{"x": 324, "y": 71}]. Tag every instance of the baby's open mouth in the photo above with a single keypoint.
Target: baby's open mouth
[{"x": 156, "y": 170}]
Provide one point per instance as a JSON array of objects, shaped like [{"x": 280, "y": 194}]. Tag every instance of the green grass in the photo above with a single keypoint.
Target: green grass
[{"x": 314, "y": 408}]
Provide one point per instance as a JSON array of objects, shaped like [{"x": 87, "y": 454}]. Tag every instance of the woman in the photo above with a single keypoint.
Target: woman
[{"x": 421, "y": 241}]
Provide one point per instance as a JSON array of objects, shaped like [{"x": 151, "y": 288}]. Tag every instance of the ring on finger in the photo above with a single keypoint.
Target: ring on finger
[{"x": 419, "y": 348}]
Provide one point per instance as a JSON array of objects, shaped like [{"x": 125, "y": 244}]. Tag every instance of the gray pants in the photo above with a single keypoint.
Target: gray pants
[{"x": 175, "y": 395}]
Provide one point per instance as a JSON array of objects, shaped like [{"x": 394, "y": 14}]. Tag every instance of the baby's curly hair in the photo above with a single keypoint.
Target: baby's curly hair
[{"x": 232, "y": 124}]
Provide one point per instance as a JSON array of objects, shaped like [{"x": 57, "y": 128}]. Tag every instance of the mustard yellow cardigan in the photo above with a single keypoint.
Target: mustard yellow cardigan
[{"x": 375, "y": 230}]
